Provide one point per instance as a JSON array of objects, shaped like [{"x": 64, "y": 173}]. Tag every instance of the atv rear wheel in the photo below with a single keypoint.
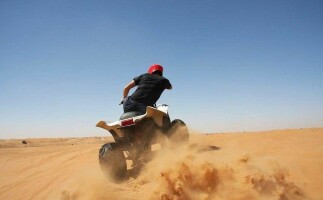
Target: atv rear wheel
[
  {"x": 112, "y": 161},
  {"x": 178, "y": 132}
]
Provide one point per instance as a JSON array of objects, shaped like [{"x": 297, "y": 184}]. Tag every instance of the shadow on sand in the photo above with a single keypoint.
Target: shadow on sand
[{"x": 204, "y": 148}]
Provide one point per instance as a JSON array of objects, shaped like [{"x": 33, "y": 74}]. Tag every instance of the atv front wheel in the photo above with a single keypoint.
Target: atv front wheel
[{"x": 112, "y": 161}]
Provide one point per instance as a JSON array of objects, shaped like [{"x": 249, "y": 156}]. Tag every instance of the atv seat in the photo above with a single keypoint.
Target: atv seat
[{"x": 130, "y": 114}]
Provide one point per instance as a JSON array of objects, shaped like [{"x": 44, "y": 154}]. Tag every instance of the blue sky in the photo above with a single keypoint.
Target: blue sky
[{"x": 234, "y": 65}]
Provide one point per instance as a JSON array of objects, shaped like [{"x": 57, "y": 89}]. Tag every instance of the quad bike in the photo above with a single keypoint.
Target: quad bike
[{"x": 134, "y": 134}]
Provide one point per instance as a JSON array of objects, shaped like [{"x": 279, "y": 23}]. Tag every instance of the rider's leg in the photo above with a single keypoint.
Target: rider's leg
[
  {"x": 130, "y": 105},
  {"x": 141, "y": 108}
]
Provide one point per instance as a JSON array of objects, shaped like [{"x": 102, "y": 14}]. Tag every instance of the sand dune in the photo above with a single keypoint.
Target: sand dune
[{"x": 282, "y": 164}]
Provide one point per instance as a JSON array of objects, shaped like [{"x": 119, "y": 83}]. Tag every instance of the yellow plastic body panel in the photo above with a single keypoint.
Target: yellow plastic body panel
[{"x": 155, "y": 114}]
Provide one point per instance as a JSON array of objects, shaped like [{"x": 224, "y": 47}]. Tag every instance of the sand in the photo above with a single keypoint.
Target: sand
[{"x": 280, "y": 164}]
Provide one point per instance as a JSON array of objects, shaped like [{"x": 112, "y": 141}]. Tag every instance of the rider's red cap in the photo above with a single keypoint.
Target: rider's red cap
[{"x": 154, "y": 68}]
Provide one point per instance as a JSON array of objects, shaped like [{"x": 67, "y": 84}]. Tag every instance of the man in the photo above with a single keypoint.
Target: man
[{"x": 150, "y": 86}]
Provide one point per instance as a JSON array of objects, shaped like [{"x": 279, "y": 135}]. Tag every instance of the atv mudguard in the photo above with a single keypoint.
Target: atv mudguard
[{"x": 115, "y": 127}]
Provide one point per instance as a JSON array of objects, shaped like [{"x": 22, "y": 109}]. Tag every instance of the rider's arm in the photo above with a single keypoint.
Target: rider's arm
[
  {"x": 126, "y": 90},
  {"x": 168, "y": 85}
]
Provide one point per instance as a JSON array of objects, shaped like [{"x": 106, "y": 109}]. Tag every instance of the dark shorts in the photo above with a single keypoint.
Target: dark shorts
[{"x": 130, "y": 105}]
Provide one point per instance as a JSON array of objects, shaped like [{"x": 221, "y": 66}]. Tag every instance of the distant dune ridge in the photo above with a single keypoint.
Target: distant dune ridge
[{"x": 281, "y": 164}]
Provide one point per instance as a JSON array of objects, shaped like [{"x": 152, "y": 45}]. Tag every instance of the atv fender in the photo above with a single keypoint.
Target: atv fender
[
  {"x": 157, "y": 115},
  {"x": 115, "y": 127}
]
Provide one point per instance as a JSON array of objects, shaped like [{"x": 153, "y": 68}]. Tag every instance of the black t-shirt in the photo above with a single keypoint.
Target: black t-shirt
[{"x": 150, "y": 87}]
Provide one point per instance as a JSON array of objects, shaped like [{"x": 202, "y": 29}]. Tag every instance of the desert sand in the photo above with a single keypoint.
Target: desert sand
[{"x": 280, "y": 164}]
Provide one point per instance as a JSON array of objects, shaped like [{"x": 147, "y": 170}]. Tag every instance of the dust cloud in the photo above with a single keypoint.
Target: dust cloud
[{"x": 185, "y": 173}]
